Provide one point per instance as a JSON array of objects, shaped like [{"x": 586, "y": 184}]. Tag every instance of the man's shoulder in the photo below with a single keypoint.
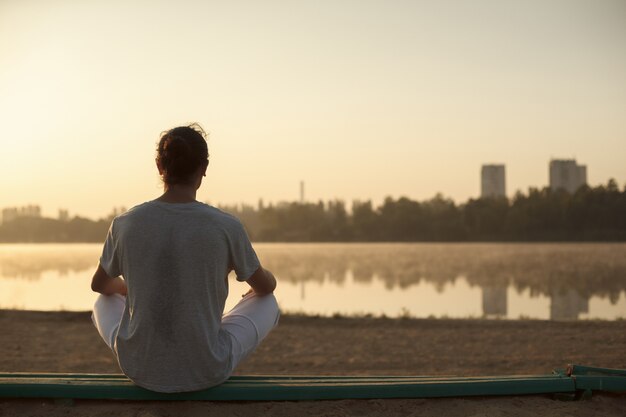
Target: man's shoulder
[
  {"x": 133, "y": 211},
  {"x": 221, "y": 216},
  {"x": 121, "y": 220}
]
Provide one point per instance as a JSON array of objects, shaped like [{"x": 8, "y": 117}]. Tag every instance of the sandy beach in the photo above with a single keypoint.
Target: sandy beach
[{"x": 66, "y": 342}]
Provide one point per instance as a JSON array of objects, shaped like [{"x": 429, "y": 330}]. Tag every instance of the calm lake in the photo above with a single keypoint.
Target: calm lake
[{"x": 510, "y": 280}]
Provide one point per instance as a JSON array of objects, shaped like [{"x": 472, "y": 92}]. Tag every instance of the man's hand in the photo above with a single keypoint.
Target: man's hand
[{"x": 104, "y": 284}]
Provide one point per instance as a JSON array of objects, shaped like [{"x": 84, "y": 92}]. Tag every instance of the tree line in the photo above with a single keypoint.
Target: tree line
[{"x": 590, "y": 214}]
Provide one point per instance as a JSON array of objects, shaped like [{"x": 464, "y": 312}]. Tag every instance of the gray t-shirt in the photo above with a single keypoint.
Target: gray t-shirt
[{"x": 175, "y": 259}]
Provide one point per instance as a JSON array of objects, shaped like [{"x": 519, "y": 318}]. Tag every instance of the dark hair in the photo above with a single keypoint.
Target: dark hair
[{"x": 181, "y": 151}]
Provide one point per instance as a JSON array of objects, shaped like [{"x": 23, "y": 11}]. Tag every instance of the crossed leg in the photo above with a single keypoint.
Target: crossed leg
[{"x": 248, "y": 323}]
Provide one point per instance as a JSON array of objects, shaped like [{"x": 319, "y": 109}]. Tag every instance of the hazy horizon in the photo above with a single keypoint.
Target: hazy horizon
[
  {"x": 54, "y": 211},
  {"x": 360, "y": 99}
]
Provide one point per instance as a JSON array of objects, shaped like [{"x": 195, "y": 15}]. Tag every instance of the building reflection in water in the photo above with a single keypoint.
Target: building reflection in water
[
  {"x": 494, "y": 301},
  {"x": 567, "y": 305}
]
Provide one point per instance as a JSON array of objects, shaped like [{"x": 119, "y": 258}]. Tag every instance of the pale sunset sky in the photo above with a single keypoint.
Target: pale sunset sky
[{"x": 360, "y": 99}]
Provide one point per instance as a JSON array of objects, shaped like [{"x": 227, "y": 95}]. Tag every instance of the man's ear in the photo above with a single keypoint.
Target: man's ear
[{"x": 159, "y": 167}]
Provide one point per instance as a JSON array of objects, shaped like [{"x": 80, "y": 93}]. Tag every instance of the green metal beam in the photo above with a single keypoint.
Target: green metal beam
[
  {"x": 600, "y": 383},
  {"x": 590, "y": 370},
  {"x": 272, "y": 388},
  {"x": 578, "y": 378}
]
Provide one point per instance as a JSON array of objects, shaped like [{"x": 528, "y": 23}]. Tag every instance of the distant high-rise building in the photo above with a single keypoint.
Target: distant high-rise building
[
  {"x": 301, "y": 191},
  {"x": 492, "y": 181},
  {"x": 566, "y": 174}
]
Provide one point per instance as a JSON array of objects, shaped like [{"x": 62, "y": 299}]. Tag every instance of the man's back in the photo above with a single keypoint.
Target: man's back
[{"x": 175, "y": 258}]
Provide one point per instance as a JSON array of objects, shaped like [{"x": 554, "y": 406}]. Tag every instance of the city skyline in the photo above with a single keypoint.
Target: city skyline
[
  {"x": 488, "y": 190},
  {"x": 359, "y": 99}
]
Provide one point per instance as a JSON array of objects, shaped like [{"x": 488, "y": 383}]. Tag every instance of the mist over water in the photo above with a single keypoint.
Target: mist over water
[{"x": 545, "y": 280}]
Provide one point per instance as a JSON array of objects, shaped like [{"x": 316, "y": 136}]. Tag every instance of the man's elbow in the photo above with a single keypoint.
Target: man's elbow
[
  {"x": 268, "y": 288},
  {"x": 271, "y": 282},
  {"x": 95, "y": 286},
  {"x": 262, "y": 282},
  {"x": 98, "y": 284}
]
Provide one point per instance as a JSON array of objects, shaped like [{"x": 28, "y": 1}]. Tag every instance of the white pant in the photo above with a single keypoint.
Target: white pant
[{"x": 248, "y": 323}]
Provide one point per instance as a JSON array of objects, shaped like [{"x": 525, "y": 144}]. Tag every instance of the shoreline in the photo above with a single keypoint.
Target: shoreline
[
  {"x": 38, "y": 341},
  {"x": 364, "y": 316},
  {"x": 67, "y": 341}
]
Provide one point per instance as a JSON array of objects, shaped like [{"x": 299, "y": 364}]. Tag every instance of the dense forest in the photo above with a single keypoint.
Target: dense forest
[{"x": 590, "y": 214}]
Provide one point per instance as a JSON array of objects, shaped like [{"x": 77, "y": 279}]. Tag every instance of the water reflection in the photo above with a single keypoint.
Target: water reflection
[
  {"x": 30, "y": 261},
  {"x": 544, "y": 269},
  {"x": 568, "y": 305},
  {"x": 494, "y": 301},
  {"x": 558, "y": 281},
  {"x": 568, "y": 275}
]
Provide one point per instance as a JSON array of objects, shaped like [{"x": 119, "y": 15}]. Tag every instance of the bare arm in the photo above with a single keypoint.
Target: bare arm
[
  {"x": 104, "y": 284},
  {"x": 262, "y": 281}
]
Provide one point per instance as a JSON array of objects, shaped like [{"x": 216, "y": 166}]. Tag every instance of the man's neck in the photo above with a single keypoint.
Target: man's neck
[{"x": 178, "y": 194}]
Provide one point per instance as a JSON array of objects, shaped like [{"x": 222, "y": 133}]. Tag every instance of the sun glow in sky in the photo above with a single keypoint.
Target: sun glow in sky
[{"x": 360, "y": 99}]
